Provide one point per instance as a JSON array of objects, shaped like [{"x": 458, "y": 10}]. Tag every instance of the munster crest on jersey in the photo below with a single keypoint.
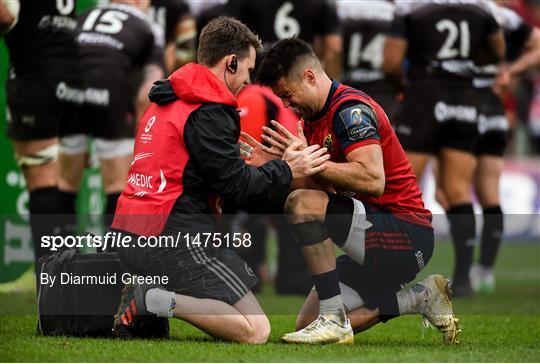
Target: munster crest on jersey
[{"x": 328, "y": 143}]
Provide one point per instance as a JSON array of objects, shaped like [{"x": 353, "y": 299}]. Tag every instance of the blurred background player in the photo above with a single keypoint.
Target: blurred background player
[
  {"x": 180, "y": 30},
  {"x": 43, "y": 94},
  {"x": 314, "y": 21},
  {"x": 365, "y": 25},
  {"x": 122, "y": 54},
  {"x": 493, "y": 126},
  {"x": 442, "y": 40}
]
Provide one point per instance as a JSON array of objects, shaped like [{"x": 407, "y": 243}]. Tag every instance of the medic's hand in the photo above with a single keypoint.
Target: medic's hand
[
  {"x": 254, "y": 153},
  {"x": 281, "y": 138},
  {"x": 305, "y": 162}
]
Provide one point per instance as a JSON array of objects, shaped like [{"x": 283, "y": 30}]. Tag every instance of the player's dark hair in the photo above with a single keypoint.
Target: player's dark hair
[
  {"x": 223, "y": 36},
  {"x": 282, "y": 58}
]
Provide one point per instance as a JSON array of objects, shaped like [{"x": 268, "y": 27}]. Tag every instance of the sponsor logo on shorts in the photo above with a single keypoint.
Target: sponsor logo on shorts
[
  {"x": 420, "y": 260},
  {"x": 70, "y": 94},
  {"x": 28, "y": 119},
  {"x": 492, "y": 123},
  {"x": 444, "y": 112},
  {"x": 97, "y": 96},
  {"x": 249, "y": 270}
]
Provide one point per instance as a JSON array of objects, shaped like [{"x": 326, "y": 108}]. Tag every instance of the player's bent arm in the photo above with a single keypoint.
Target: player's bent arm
[
  {"x": 362, "y": 173},
  {"x": 394, "y": 54},
  {"x": 152, "y": 72},
  {"x": 530, "y": 58}
]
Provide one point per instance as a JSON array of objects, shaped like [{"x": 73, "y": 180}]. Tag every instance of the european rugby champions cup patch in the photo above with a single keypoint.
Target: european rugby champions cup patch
[{"x": 359, "y": 121}]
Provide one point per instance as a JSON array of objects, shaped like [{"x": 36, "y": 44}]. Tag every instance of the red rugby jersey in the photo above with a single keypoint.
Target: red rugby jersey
[{"x": 351, "y": 119}]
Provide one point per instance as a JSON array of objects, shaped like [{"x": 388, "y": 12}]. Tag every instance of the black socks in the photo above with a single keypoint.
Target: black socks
[
  {"x": 463, "y": 230},
  {"x": 492, "y": 232}
]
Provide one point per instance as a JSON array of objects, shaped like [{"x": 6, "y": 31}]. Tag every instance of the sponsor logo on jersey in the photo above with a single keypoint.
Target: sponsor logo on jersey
[
  {"x": 140, "y": 156},
  {"x": 403, "y": 130},
  {"x": 146, "y": 137},
  {"x": 149, "y": 124},
  {"x": 163, "y": 183},
  {"x": 444, "y": 112},
  {"x": 57, "y": 22},
  {"x": 139, "y": 194}
]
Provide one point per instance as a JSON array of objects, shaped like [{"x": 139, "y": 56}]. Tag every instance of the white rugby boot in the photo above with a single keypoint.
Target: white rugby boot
[
  {"x": 436, "y": 308},
  {"x": 326, "y": 329}
]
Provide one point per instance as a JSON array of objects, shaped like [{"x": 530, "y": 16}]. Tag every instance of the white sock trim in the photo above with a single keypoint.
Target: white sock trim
[
  {"x": 355, "y": 246},
  {"x": 160, "y": 302}
]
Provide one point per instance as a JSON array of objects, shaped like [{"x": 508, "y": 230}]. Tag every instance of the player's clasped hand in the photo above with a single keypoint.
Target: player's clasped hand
[
  {"x": 281, "y": 138},
  {"x": 254, "y": 153},
  {"x": 305, "y": 162}
]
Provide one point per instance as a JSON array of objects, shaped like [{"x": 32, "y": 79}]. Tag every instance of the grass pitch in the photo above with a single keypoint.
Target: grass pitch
[{"x": 504, "y": 326}]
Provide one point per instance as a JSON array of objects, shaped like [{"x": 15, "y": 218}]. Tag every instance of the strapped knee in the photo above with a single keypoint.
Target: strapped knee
[
  {"x": 338, "y": 218},
  {"x": 309, "y": 233},
  {"x": 44, "y": 156}
]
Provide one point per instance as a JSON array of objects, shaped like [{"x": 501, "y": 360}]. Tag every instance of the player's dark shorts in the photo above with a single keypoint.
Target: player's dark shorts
[
  {"x": 395, "y": 252},
  {"x": 492, "y": 124},
  {"x": 109, "y": 108},
  {"x": 41, "y": 108},
  {"x": 437, "y": 115},
  {"x": 213, "y": 273}
]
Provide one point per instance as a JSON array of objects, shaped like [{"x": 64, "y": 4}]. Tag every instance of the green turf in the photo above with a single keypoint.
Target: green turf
[{"x": 504, "y": 326}]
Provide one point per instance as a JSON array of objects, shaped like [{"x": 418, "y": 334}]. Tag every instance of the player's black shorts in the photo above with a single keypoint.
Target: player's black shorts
[
  {"x": 437, "y": 115},
  {"x": 213, "y": 273},
  {"x": 492, "y": 124},
  {"x": 395, "y": 252},
  {"x": 109, "y": 108},
  {"x": 41, "y": 108}
]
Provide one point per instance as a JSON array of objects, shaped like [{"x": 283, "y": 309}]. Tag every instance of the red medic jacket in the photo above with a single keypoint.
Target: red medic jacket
[{"x": 186, "y": 159}]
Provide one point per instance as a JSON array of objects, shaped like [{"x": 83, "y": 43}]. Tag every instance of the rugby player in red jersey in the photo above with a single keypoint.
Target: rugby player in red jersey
[{"x": 370, "y": 207}]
